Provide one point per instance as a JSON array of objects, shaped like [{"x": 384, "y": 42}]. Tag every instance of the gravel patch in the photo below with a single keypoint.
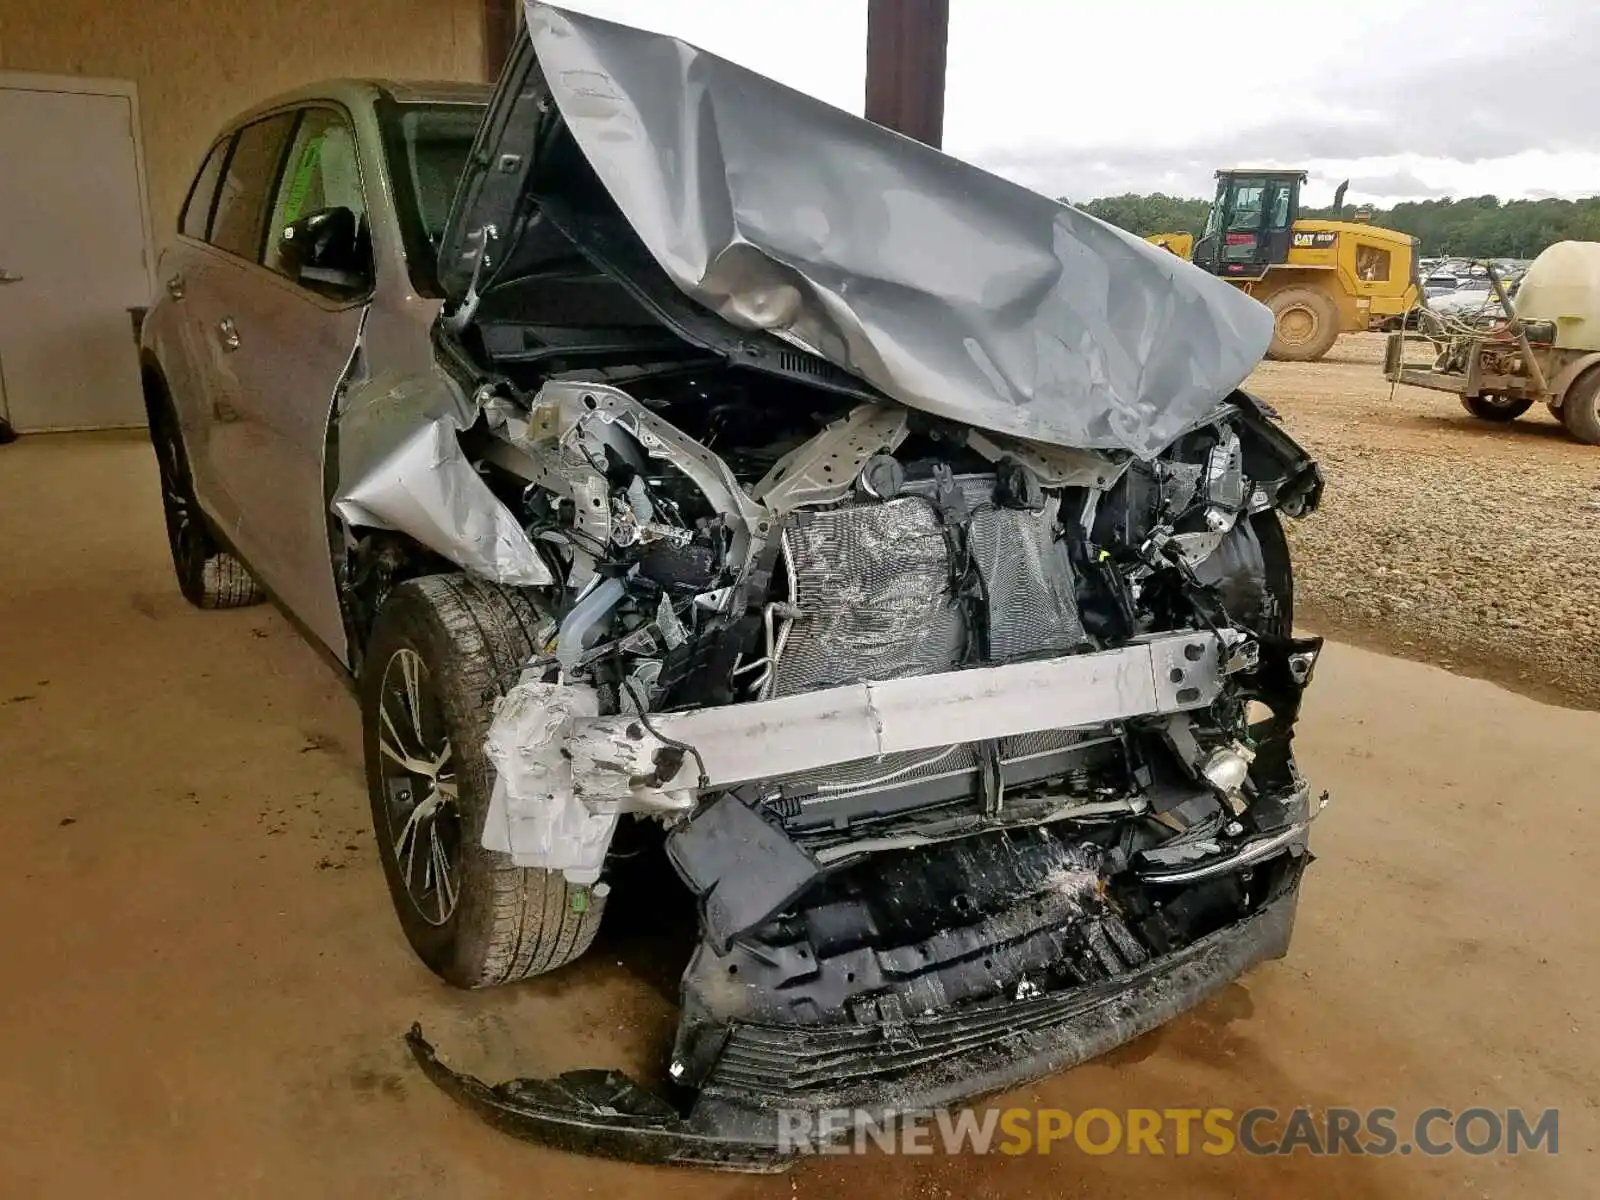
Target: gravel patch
[{"x": 1443, "y": 537}]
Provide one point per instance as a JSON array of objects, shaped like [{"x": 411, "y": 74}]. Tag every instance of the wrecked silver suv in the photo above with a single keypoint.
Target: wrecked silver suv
[{"x": 893, "y": 542}]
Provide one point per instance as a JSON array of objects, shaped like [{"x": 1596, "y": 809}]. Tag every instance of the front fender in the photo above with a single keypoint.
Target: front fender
[{"x": 1568, "y": 375}]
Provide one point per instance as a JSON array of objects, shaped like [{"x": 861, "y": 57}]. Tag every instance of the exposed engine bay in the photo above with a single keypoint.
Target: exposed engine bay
[
  {"x": 929, "y": 715},
  {"x": 936, "y": 614}
]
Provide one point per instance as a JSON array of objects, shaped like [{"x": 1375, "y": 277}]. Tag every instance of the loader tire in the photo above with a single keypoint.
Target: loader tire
[
  {"x": 1305, "y": 324},
  {"x": 1580, "y": 408},
  {"x": 442, "y": 649},
  {"x": 1495, "y": 408}
]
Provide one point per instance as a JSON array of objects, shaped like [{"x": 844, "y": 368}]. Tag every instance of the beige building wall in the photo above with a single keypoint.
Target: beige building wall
[{"x": 198, "y": 62}]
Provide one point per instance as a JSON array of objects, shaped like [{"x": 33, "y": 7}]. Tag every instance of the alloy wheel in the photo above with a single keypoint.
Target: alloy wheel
[
  {"x": 419, "y": 787},
  {"x": 183, "y": 529}
]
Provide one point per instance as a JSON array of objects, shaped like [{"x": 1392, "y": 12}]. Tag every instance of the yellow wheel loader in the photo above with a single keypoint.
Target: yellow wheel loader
[{"x": 1319, "y": 278}]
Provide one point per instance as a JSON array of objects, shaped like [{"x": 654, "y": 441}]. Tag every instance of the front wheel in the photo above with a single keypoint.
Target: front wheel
[
  {"x": 1495, "y": 408},
  {"x": 443, "y": 647},
  {"x": 1305, "y": 324}
]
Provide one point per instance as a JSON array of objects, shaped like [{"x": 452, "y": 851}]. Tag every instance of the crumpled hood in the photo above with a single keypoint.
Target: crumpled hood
[{"x": 950, "y": 289}]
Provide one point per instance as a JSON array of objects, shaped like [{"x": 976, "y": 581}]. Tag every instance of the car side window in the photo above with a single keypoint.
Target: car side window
[
  {"x": 241, "y": 210},
  {"x": 195, "y": 220},
  {"x": 318, "y": 234}
]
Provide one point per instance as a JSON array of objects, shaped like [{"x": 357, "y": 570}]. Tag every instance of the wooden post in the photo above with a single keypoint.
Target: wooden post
[
  {"x": 906, "y": 42},
  {"x": 501, "y": 21}
]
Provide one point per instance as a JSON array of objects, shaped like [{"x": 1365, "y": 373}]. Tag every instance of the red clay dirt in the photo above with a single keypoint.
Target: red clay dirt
[{"x": 204, "y": 989}]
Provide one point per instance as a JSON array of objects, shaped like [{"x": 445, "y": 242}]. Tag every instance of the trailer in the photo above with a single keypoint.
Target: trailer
[{"x": 1547, "y": 351}]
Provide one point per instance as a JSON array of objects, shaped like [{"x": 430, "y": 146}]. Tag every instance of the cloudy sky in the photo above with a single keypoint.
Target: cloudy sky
[{"x": 1408, "y": 99}]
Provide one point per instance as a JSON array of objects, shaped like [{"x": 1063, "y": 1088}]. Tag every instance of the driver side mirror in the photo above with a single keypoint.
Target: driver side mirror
[{"x": 328, "y": 251}]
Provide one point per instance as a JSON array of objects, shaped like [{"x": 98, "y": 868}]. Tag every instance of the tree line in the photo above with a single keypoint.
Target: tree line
[{"x": 1475, "y": 226}]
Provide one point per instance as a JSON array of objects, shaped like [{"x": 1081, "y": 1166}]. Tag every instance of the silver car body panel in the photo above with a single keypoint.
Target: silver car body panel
[
  {"x": 784, "y": 214},
  {"x": 400, "y": 450},
  {"x": 256, "y": 420}
]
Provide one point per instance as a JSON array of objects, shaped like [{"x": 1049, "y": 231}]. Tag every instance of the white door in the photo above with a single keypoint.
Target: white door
[{"x": 72, "y": 259}]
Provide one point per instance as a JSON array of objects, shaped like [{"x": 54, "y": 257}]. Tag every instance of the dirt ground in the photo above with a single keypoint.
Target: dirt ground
[
  {"x": 1443, "y": 537},
  {"x": 204, "y": 989}
]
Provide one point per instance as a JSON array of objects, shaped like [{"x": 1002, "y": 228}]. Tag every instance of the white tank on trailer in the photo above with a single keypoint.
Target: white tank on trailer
[{"x": 1563, "y": 285}]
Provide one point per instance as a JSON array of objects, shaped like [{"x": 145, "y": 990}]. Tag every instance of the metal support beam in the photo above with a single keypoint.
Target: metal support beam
[
  {"x": 612, "y": 756},
  {"x": 906, "y": 41},
  {"x": 501, "y": 21}
]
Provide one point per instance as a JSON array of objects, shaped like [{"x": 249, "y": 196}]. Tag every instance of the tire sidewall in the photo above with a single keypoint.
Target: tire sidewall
[
  {"x": 1498, "y": 409},
  {"x": 167, "y": 437},
  {"x": 456, "y": 950},
  {"x": 1322, "y": 309},
  {"x": 1580, "y": 407}
]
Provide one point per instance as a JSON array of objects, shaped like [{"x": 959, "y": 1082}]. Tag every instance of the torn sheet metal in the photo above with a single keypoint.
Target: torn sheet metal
[
  {"x": 428, "y": 489},
  {"x": 824, "y": 469},
  {"x": 565, "y": 413},
  {"x": 401, "y": 467},
  {"x": 950, "y": 289}
]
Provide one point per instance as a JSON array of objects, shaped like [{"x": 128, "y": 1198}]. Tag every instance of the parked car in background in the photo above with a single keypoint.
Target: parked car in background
[
  {"x": 954, "y": 673},
  {"x": 1475, "y": 297},
  {"x": 1439, "y": 283}
]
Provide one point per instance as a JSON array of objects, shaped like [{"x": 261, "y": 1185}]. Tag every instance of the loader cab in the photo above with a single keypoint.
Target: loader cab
[{"x": 1251, "y": 223}]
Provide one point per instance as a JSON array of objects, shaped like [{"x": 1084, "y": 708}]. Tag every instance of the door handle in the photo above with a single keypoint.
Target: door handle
[
  {"x": 9, "y": 276},
  {"x": 175, "y": 287},
  {"x": 229, "y": 332}
]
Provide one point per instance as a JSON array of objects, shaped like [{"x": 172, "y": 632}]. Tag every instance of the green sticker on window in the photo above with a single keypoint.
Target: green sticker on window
[{"x": 300, "y": 181}]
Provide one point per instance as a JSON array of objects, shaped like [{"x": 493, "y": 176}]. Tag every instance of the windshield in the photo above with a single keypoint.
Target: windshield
[{"x": 427, "y": 147}]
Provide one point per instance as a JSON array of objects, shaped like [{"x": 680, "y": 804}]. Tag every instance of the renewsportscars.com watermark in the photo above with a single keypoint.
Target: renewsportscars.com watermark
[{"x": 1174, "y": 1131}]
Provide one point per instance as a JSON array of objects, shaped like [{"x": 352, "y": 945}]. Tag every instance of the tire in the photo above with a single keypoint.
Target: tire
[
  {"x": 208, "y": 576},
  {"x": 1580, "y": 407},
  {"x": 1495, "y": 408},
  {"x": 1305, "y": 324},
  {"x": 464, "y": 641}
]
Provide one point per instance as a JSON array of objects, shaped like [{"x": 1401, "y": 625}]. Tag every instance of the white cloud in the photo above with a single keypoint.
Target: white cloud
[{"x": 1407, "y": 98}]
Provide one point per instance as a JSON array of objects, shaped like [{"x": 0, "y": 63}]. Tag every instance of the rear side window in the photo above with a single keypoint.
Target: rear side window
[
  {"x": 1372, "y": 264},
  {"x": 196, "y": 216},
  {"x": 239, "y": 226}
]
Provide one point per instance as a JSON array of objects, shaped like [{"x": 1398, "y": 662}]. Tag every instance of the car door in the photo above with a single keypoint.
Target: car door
[
  {"x": 217, "y": 279},
  {"x": 296, "y": 326},
  {"x": 173, "y": 330}
]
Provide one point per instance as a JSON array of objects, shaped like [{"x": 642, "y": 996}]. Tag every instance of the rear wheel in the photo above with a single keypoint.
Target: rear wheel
[
  {"x": 443, "y": 647},
  {"x": 208, "y": 576},
  {"x": 1580, "y": 408},
  {"x": 1496, "y": 408},
  {"x": 1305, "y": 324}
]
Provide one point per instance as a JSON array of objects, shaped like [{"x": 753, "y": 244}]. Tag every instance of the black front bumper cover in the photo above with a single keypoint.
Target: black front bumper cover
[{"x": 937, "y": 1061}]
